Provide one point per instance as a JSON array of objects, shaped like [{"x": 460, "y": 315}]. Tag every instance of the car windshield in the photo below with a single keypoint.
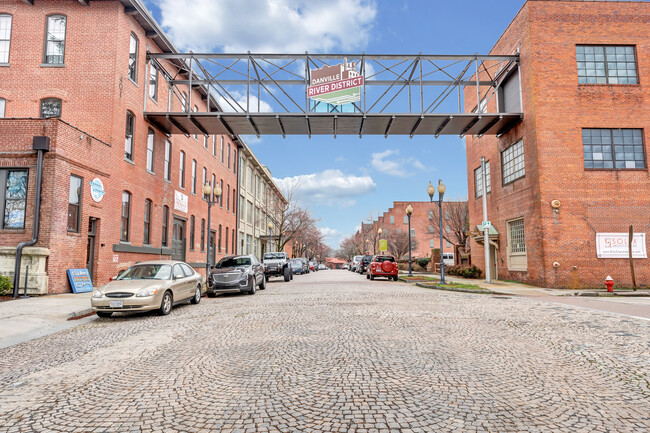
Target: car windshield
[
  {"x": 147, "y": 272},
  {"x": 272, "y": 256},
  {"x": 234, "y": 262},
  {"x": 296, "y": 262},
  {"x": 384, "y": 259}
]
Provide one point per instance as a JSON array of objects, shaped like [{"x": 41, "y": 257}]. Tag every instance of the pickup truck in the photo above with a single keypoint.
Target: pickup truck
[{"x": 277, "y": 265}]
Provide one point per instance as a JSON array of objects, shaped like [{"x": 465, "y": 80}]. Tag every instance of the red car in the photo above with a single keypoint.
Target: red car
[{"x": 382, "y": 266}]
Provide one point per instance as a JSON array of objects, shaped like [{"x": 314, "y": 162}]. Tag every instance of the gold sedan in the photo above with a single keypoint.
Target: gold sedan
[{"x": 154, "y": 285}]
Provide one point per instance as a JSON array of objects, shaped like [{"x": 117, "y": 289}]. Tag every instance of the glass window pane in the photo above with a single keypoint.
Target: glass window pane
[
  {"x": 15, "y": 199},
  {"x": 55, "y": 42}
]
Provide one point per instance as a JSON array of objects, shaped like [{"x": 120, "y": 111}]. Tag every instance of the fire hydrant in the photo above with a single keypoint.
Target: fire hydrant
[{"x": 609, "y": 282}]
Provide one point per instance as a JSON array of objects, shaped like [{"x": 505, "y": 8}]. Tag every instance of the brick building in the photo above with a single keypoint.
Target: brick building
[
  {"x": 116, "y": 190},
  {"x": 575, "y": 170},
  {"x": 424, "y": 227}
]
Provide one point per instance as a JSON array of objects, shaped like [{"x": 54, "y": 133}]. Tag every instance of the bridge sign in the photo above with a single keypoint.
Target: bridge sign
[{"x": 336, "y": 85}]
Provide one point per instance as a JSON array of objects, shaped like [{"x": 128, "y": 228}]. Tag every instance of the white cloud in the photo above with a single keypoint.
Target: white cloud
[
  {"x": 332, "y": 236},
  {"x": 228, "y": 104},
  {"x": 329, "y": 187},
  {"x": 266, "y": 26},
  {"x": 388, "y": 162}
]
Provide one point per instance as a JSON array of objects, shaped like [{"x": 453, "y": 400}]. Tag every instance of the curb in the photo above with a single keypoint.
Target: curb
[
  {"x": 79, "y": 313},
  {"x": 456, "y": 289}
]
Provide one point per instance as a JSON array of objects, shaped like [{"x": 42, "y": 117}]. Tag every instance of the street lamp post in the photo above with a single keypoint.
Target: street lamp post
[
  {"x": 431, "y": 190},
  {"x": 409, "y": 211},
  {"x": 270, "y": 226},
  {"x": 212, "y": 196}
]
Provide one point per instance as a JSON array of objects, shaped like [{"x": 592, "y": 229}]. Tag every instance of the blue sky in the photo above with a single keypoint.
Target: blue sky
[{"x": 345, "y": 179}]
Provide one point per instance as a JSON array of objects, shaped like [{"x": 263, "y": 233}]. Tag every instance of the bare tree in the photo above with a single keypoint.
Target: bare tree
[
  {"x": 350, "y": 247},
  {"x": 455, "y": 221},
  {"x": 398, "y": 242}
]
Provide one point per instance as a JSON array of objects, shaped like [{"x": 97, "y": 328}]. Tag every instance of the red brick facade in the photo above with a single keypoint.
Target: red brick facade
[
  {"x": 89, "y": 142},
  {"x": 561, "y": 243}
]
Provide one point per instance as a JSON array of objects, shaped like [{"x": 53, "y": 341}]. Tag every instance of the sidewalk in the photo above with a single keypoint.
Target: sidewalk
[
  {"x": 25, "y": 319},
  {"x": 520, "y": 289}
]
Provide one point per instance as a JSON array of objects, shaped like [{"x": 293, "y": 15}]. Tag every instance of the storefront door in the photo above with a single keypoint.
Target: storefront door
[
  {"x": 90, "y": 250},
  {"x": 178, "y": 240}
]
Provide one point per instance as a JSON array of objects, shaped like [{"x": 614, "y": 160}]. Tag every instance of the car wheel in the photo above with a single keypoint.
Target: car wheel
[
  {"x": 372, "y": 277},
  {"x": 251, "y": 290},
  {"x": 166, "y": 304},
  {"x": 367, "y": 276},
  {"x": 197, "y": 296},
  {"x": 290, "y": 274},
  {"x": 211, "y": 294},
  {"x": 104, "y": 314},
  {"x": 287, "y": 276},
  {"x": 263, "y": 284},
  {"x": 395, "y": 278},
  {"x": 267, "y": 278}
]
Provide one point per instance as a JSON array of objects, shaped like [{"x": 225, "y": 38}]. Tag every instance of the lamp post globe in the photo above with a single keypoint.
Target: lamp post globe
[
  {"x": 212, "y": 196},
  {"x": 409, "y": 211},
  {"x": 270, "y": 226},
  {"x": 431, "y": 190},
  {"x": 441, "y": 194}
]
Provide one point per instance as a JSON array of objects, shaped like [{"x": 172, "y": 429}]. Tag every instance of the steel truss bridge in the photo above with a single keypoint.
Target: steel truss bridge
[{"x": 261, "y": 94}]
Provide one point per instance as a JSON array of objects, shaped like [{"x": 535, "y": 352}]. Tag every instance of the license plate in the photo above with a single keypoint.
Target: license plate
[{"x": 117, "y": 304}]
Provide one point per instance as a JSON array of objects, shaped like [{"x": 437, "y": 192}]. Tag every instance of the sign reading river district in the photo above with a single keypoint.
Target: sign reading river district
[{"x": 336, "y": 85}]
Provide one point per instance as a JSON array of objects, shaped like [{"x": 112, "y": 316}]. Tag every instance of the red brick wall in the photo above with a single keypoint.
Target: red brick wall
[
  {"x": 96, "y": 94},
  {"x": 556, "y": 108}
]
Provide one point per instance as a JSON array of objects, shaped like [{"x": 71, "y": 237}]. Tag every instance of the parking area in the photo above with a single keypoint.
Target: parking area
[{"x": 333, "y": 351}]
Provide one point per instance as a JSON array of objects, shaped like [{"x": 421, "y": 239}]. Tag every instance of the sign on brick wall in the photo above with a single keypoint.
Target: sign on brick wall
[
  {"x": 180, "y": 202},
  {"x": 615, "y": 246}
]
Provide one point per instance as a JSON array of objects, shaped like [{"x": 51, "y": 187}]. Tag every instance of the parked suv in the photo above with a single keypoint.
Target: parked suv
[
  {"x": 355, "y": 263},
  {"x": 277, "y": 265},
  {"x": 383, "y": 266},
  {"x": 363, "y": 264},
  {"x": 237, "y": 274}
]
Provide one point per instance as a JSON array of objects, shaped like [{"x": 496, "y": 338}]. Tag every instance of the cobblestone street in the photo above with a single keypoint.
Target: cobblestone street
[{"x": 332, "y": 351}]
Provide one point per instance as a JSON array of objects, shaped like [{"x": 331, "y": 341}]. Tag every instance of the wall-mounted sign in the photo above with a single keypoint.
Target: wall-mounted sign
[
  {"x": 80, "y": 280},
  {"x": 180, "y": 202},
  {"x": 97, "y": 189},
  {"x": 615, "y": 246},
  {"x": 336, "y": 85}
]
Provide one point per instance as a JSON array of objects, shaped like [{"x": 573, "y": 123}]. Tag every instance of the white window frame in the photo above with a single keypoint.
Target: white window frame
[
  {"x": 515, "y": 167},
  {"x": 518, "y": 260},
  {"x": 5, "y": 38},
  {"x": 168, "y": 160},
  {"x": 151, "y": 142}
]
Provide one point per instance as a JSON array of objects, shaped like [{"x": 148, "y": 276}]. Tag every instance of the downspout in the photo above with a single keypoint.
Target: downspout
[{"x": 41, "y": 145}]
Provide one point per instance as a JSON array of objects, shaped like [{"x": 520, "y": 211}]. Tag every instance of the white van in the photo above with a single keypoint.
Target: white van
[{"x": 448, "y": 259}]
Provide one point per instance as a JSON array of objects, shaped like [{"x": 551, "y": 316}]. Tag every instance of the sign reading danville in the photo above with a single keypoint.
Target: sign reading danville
[{"x": 336, "y": 85}]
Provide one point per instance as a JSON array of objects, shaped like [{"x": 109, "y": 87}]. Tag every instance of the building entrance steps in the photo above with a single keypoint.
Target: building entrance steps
[{"x": 25, "y": 319}]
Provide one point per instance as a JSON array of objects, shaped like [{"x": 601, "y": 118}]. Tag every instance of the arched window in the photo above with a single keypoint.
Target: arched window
[
  {"x": 192, "y": 229},
  {"x": 128, "y": 140},
  {"x": 55, "y": 40},
  {"x": 147, "y": 222},
  {"x": 126, "y": 214},
  {"x": 50, "y": 107},
  {"x": 165, "y": 225},
  {"x": 5, "y": 37},
  {"x": 133, "y": 58}
]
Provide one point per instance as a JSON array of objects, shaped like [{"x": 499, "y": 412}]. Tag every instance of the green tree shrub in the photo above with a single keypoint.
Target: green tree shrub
[
  {"x": 6, "y": 286},
  {"x": 423, "y": 262}
]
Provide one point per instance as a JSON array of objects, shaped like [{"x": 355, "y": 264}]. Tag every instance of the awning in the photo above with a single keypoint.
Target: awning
[{"x": 492, "y": 233}]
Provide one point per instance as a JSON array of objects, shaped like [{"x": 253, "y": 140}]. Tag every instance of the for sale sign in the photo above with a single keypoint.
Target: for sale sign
[
  {"x": 615, "y": 246},
  {"x": 336, "y": 85}
]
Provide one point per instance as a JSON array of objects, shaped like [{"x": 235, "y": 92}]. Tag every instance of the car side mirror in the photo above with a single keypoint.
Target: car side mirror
[{"x": 176, "y": 277}]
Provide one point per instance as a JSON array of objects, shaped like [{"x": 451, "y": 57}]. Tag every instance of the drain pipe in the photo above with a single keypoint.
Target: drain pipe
[{"x": 41, "y": 145}]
